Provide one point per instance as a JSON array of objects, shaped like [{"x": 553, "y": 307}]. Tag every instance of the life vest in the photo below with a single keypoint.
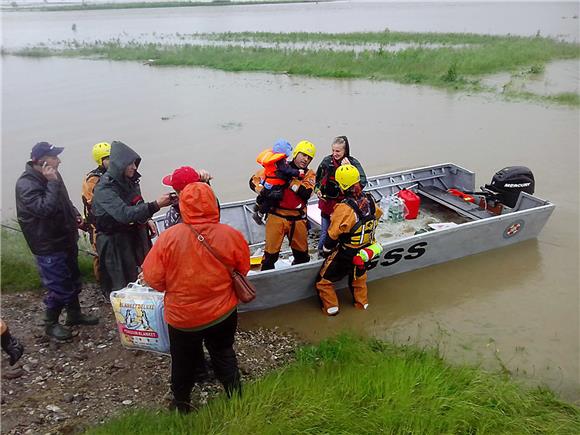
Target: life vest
[
  {"x": 97, "y": 172},
  {"x": 328, "y": 185},
  {"x": 291, "y": 201},
  {"x": 268, "y": 160},
  {"x": 362, "y": 233}
]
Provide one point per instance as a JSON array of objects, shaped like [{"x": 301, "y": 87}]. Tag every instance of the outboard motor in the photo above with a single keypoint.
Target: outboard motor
[{"x": 507, "y": 184}]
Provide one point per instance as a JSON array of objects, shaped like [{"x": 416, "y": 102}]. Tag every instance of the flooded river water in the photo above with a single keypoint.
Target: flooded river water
[
  {"x": 557, "y": 19},
  {"x": 516, "y": 307}
]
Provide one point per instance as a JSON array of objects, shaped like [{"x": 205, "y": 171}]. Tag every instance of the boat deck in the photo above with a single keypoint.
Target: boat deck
[{"x": 468, "y": 209}]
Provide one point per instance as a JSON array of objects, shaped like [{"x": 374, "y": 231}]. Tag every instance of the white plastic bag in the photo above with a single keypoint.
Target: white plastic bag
[{"x": 139, "y": 316}]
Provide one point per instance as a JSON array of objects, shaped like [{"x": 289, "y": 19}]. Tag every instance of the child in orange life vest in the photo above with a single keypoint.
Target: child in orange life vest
[{"x": 277, "y": 174}]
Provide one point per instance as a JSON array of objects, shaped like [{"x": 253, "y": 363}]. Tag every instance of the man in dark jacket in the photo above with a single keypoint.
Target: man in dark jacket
[
  {"x": 122, "y": 219},
  {"x": 50, "y": 222}
]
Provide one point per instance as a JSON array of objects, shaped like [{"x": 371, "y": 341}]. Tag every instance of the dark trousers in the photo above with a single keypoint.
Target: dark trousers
[
  {"x": 60, "y": 275},
  {"x": 187, "y": 357}
]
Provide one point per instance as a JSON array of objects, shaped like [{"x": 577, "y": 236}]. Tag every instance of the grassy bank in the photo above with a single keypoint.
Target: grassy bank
[
  {"x": 18, "y": 268},
  {"x": 87, "y": 6},
  {"x": 354, "y": 386},
  {"x": 459, "y": 61}
]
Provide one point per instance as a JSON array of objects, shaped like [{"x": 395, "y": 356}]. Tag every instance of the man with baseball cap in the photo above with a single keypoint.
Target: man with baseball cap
[
  {"x": 50, "y": 222},
  {"x": 180, "y": 178}
]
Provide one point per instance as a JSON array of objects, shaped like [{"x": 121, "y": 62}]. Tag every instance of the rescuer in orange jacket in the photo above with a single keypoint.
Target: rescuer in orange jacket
[
  {"x": 277, "y": 173},
  {"x": 200, "y": 302},
  {"x": 288, "y": 218},
  {"x": 101, "y": 155},
  {"x": 352, "y": 227}
]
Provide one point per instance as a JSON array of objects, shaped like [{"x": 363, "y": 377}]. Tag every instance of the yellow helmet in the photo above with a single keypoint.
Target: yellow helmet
[
  {"x": 347, "y": 176},
  {"x": 304, "y": 147},
  {"x": 100, "y": 151}
]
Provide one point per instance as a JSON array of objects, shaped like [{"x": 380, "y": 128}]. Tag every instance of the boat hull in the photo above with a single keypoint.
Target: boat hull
[
  {"x": 480, "y": 230},
  {"x": 278, "y": 287}
]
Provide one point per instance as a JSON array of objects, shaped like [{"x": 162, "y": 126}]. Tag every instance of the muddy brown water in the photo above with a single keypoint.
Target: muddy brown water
[
  {"x": 556, "y": 19},
  {"x": 516, "y": 308}
]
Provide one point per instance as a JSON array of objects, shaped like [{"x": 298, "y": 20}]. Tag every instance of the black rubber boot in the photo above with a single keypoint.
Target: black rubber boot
[
  {"x": 74, "y": 316},
  {"x": 300, "y": 257},
  {"x": 54, "y": 329},
  {"x": 183, "y": 407},
  {"x": 12, "y": 347},
  {"x": 269, "y": 260}
]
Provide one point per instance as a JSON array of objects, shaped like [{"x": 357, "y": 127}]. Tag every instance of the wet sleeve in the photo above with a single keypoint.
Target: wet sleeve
[
  {"x": 255, "y": 181},
  {"x": 285, "y": 171},
  {"x": 114, "y": 206},
  {"x": 363, "y": 176},
  {"x": 38, "y": 201},
  {"x": 341, "y": 221},
  {"x": 319, "y": 176},
  {"x": 153, "y": 266},
  {"x": 242, "y": 257},
  {"x": 305, "y": 186}
]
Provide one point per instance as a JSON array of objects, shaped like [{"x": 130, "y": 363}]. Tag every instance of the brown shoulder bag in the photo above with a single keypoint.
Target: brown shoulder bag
[{"x": 245, "y": 290}]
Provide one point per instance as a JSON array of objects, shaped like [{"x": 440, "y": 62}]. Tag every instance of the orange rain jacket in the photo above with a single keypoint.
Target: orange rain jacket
[{"x": 198, "y": 289}]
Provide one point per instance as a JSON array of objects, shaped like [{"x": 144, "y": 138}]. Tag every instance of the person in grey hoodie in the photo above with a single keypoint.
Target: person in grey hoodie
[{"x": 122, "y": 219}]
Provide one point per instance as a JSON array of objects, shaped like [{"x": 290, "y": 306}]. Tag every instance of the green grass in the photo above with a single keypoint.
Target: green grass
[
  {"x": 348, "y": 385},
  {"x": 147, "y": 5},
  {"x": 18, "y": 267},
  {"x": 386, "y": 37},
  {"x": 459, "y": 63}
]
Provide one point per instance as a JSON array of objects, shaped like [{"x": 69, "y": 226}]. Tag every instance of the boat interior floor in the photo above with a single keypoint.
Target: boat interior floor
[
  {"x": 430, "y": 212},
  {"x": 464, "y": 208}
]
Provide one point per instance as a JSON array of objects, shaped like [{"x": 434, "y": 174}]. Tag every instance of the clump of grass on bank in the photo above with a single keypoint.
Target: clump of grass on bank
[
  {"x": 18, "y": 270},
  {"x": 458, "y": 64},
  {"x": 348, "y": 385}
]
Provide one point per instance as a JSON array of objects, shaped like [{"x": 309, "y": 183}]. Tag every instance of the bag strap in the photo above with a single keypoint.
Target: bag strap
[{"x": 209, "y": 248}]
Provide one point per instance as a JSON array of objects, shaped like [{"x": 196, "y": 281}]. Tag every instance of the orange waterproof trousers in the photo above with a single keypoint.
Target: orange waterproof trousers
[{"x": 334, "y": 269}]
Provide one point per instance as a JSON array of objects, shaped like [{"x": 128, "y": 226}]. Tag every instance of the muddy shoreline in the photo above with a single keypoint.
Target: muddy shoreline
[{"x": 63, "y": 388}]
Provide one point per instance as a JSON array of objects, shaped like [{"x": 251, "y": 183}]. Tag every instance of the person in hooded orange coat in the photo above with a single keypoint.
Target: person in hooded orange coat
[{"x": 200, "y": 302}]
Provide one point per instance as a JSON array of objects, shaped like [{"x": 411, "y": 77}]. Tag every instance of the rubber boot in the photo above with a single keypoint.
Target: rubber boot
[
  {"x": 12, "y": 347},
  {"x": 269, "y": 260},
  {"x": 181, "y": 407},
  {"x": 300, "y": 257},
  {"x": 53, "y": 328},
  {"x": 74, "y": 316},
  {"x": 233, "y": 385}
]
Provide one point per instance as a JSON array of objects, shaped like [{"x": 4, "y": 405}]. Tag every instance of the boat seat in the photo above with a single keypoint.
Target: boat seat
[{"x": 464, "y": 208}]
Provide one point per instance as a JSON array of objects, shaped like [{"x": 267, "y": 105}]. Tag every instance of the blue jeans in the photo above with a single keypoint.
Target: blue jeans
[
  {"x": 60, "y": 275},
  {"x": 324, "y": 224}
]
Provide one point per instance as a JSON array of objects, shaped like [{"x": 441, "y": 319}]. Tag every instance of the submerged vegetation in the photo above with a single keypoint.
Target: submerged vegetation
[
  {"x": 18, "y": 270},
  {"x": 348, "y": 385},
  {"x": 456, "y": 61}
]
